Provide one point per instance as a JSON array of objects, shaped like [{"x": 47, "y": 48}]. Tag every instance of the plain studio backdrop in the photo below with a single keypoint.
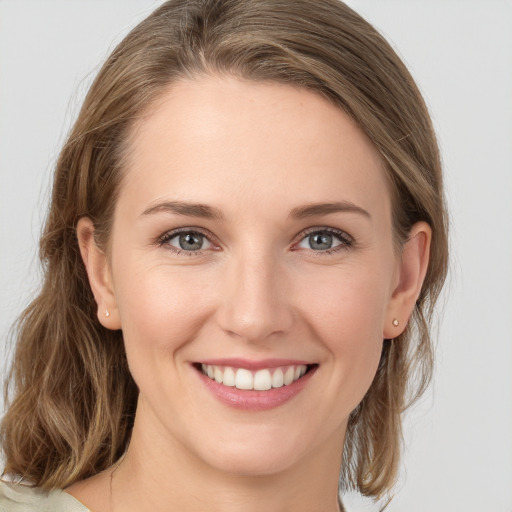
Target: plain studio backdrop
[{"x": 458, "y": 454}]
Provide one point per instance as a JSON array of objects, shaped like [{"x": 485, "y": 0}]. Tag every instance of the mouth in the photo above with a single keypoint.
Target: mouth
[{"x": 263, "y": 379}]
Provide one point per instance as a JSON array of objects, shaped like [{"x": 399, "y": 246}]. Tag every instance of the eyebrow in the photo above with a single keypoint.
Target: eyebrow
[
  {"x": 189, "y": 209},
  {"x": 314, "y": 209},
  {"x": 209, "y": 212}
]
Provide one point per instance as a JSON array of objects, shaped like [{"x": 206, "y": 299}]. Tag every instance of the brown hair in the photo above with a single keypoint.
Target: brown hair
[{"x": 73, "y": 399}]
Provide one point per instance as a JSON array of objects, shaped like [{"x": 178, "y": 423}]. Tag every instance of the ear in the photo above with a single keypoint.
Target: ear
[
  {"x": 98, "y": 272},
  {"x": 411, "y": 274}
]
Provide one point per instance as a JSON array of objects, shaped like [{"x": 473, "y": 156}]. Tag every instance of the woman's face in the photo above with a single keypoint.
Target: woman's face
[{"x": 252, "y": 235}]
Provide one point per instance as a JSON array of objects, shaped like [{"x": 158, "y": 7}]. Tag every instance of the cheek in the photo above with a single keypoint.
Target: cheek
[
  {"x": 345, "y": 311},
  {"x": 161, "y": 308},
  {"x": 347, "y": 303}
]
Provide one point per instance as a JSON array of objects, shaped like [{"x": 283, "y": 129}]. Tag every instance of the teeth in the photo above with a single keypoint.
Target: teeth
[
  {"x": 289, "y": 375},
  {"x": 278, "y": 378},
  {"x": 243, "y": 379},
  {"x": 229, "y": 377},
  {"x": 261, "y": 380}
]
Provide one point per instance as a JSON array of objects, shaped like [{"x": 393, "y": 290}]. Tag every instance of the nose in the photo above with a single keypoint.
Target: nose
[{"x": 255, "y": 303}]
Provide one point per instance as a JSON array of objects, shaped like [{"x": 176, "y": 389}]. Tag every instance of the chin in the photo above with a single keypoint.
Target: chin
[
  {"x": 262, "y": 465},
  {"x": 252, "y": 458}
]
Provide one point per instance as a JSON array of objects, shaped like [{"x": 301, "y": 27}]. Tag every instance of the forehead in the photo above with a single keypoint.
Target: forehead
[{"x": 219, "y": 139}]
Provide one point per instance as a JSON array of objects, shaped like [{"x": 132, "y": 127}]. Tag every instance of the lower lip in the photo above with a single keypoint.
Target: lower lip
[{"x": 251, "y": 400}]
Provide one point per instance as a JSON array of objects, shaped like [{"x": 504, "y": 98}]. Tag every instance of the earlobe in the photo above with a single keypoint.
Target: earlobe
[
  {"x": 412, "y": 270},
  {"x": 98, "y": 272}
]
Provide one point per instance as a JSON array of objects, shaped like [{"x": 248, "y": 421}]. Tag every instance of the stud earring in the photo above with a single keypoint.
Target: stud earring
[
  {"x": 107, "y": 313},
  {"x": 396, "y": 323}
]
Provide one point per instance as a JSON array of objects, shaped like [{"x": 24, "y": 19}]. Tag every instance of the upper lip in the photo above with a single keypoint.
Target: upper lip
[{"x": 237, "y": 362}]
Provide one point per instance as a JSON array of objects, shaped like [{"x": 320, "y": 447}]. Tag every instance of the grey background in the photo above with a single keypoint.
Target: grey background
[{"x": 458, "y": 453}]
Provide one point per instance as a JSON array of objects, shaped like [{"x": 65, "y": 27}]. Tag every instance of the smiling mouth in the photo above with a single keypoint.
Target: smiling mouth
[{"x": 260, "y": 380}]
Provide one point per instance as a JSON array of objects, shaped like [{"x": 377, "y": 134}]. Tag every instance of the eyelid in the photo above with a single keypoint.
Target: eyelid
[
  {"x": 342, "y": 234},
  {"x": 168, "y": 235},
  {"x": 346, "y": 239}
]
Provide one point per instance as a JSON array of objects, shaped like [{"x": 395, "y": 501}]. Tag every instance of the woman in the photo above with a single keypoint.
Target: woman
[{"x": 245, "y": 242}]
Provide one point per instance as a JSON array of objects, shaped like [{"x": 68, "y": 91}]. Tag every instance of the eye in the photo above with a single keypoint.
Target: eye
[
  {"x": 325, "y": 240},
  {"x": 186, "y": 241}
]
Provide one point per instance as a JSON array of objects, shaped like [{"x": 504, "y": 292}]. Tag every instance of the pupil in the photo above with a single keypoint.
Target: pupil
[
  {"x": 320, "y": 241},
  {"x": 191, "y": 242}
]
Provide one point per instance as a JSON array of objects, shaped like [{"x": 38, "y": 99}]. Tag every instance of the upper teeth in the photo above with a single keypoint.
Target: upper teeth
[{"x": 259, "y": 381}]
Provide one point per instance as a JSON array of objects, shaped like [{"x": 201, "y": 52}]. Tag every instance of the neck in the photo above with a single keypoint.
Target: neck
[{"x": 159, "y": 474}]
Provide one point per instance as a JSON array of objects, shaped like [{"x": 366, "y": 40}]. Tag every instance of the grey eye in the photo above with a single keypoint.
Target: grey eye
[
  {"x": 320, "y": 241},
  {"x": 190, "y": 241},
  {"x": 323, "y": 240}
]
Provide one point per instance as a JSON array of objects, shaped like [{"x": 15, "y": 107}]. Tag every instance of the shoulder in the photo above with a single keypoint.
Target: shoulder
[{"x": 17, "y": 497}]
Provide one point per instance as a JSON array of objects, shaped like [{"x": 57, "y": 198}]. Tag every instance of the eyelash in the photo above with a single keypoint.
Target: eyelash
[
  {"x": 164, "y": 240},
  {"x": 346, "y": 240}
]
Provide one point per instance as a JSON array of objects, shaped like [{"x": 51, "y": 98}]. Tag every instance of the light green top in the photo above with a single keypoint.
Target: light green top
[{"x": 16, "y": 497}]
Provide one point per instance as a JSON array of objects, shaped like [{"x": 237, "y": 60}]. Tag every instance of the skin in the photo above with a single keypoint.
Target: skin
[{"x": 257, "y": 289}]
